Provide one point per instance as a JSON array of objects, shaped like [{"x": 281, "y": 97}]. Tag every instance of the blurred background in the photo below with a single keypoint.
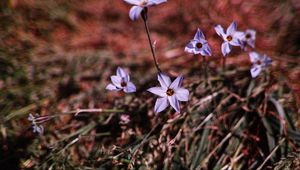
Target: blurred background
[{"x": 58, "y": 55}]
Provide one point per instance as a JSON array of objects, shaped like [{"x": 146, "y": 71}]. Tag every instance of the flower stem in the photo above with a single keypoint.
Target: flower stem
[
  {"x": 205, "y": 68},
  {"x": 224, "y": 64},
  {"x": 144, "y": 16}
]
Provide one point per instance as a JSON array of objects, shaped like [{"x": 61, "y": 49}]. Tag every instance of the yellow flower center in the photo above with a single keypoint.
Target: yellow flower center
[
  {"x": 143, "y": 3},
  {"x": 229, "y": 38},
  {"x": 170, "y": 92}
]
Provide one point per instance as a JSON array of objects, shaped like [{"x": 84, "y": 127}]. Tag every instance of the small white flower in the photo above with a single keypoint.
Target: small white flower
[
  {"x": 230, "y": 38},
  {"x": 139, "y": 5},
  {"x": 169, "y": 93},
  {"x": 121, "y": 81},
  {"x": 259, "y": 63}
]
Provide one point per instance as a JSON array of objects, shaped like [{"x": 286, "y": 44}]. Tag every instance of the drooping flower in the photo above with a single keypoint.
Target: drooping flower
[
  {"x": 198, "y": 45},
  {"x": 36, "y": 122},
  {"x": 169, "y": 93},
  {"x": 139, "y": 5},
  {"x": 259, "y": 63},
  {"x": 230, "y": 38},
  {"x": 121, "y": 81},
  {"x": 247, "y": 38}
]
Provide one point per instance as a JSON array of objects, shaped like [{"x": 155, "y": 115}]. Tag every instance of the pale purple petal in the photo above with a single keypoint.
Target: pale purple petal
[
  {"x": 161, "y": 104},
  {"x": 239, "y": 34},
  {"x": 226, "y": 48},
  {"x": 254, "y": 57},
  {"x": 190, "y": 47},
  {"x": 177, "y": 82},
  {"x": 251, "y": 43},
  {"x": 133, "y": 2},
  {"x": 156, "y": 2},
  {"x": 182, "y": 94},
  {"x": 116, "y": 80},
  {"x": 199, "y": 35},
  {"x": 235, "y": 42},
  {"x": 164, "y": 80},
  {"x": 30, "y": 117},
  {"x": 122, "y": 73},
  {"x": 255, "y": 70},
  {"x": 130, "y": 88},
  {"x": 174, "y": 103},
  {"x": 158, "y": 91},
  {"x": 206, "y": 51},
  {"x": 112, "y": 87},
  {"x": 135, "y": 12},
  {"x": 232, "y": 28},
  {"x": 220, "y": 31}
]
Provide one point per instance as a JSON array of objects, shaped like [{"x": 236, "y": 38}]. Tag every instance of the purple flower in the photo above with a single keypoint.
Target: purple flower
[
  {"x": 35, "y": 121},
  {"x": 121, "y": 81},
  {"x": 247, "y": 38},
  {"x": 169, "y": 93},
  {"x": 139, "y": 5},
  {"x": 259, "y": 63},
  {"x": 230, "y": 38},
  {"x": 198, "y": 45}
]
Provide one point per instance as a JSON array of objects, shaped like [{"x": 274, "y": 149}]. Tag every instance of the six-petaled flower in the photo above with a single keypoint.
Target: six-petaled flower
[
  {"x": 198, "y": 45},
  {"x": 139, "y": 5},
  {"x": 247, "y": 38},
  {"x": 121, "y": 81},
  {"x": 169, "y": 93},
  {"x": 259, "y": 63},
  {"x": 230, "y": 38}
]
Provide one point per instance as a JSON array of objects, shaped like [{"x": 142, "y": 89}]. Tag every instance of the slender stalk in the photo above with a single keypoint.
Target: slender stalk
[
  {"x": 144, "y": 16},
  {"x": 224, "y": 64},
  {"x": 205, "y": 68}
]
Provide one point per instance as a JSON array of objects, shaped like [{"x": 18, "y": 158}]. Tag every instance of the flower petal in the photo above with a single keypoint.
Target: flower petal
[
  {"x": 254, "y": 57},
  {"x": 130, "y": 88},
  {"x": 122, "y": 73},
  {"x": 182, "y": 94},
  {"x": 158, "y": 91},
  {"x": 156, "y": 2},
  {"x": 177, "y": 82},
  {"x": 220, "y": 31},
  {"x": 255, "y": 70},
  {"x": 174, "y": 103},
  {"x": 190, "y": 47},
  {"x": 231, "y": 29},
  {"x": 199, "y": 35},
  {"x": 206, "y": 51},
  {"x": 116, "y": 80},
  {"x": 226, "y": 48},
  {"x": 161, "y": 104},
  {"x": 112, "y": 87},
  {"x": 133, "y": 2},
  {"x": 135, "y": 12},
  {"x": 164, "y": 80},
  {"x": 235, "y": 42}
]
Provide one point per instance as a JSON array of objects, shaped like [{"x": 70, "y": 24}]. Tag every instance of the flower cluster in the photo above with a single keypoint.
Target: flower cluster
[{"x": 232, "y": 37}]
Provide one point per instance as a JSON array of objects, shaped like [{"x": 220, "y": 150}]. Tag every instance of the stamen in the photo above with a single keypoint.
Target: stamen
[
  {"x": 123, "y": 84},
  {"x": 170, "y": 92},
  {"x": 248, "y": 36},
  {"x": 199, "y": 45},
  {"x": 143, "y": 3},
  {"x": 229, "y": 38}
]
